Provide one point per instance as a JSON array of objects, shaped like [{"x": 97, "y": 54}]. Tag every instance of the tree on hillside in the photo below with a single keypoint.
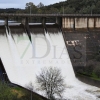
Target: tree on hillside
[
  {"x": 30, "y": 8},
  {"x": 97, "y": 7},
  {"x": 69, "y": 10},
  {"x": 41, "y": 8},
  {"x": 53, "y": 10},
  {"x": 66, "y": 7},
  {"x": 29, "y": 4},
  {"x": 39, "y": 11},
  {"x": 51, "y": 82},
  {"x": 40, "y": 5}
]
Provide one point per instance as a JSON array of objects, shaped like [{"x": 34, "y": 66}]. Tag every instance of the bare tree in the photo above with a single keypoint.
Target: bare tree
[
  {"x": 51, "y": 82},
  {"x": 40, "y": 5}
]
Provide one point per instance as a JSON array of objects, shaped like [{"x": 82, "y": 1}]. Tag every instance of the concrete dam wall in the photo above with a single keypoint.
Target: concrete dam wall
[
  {"x": 82, "y": 46},
  {"x": 82, "y": 35},
  {"x": 80, "y": 23},
  {"x": 23, "y": 58}
]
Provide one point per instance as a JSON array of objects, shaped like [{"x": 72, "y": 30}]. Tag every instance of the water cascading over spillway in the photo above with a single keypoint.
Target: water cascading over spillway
[{"x": 23, "y": 60}]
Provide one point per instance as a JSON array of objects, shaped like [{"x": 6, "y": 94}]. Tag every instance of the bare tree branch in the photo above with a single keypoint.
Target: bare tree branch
[{"x": 51, "y": 82}]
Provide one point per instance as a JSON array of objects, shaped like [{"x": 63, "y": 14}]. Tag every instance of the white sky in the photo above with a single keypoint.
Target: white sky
[{"x": 22, "y": 3}]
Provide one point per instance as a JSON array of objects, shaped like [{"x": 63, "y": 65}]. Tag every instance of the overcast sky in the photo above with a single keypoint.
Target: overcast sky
[{"x": 21, "y": 3}]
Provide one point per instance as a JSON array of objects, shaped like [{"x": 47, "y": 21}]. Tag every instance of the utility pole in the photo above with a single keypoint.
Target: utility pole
[
  {"x": 30, "y": 9},
  {"x": 63, "y": 8},
  {"x": 91, "y": 12},
  {"x": 30, "y": 13}
]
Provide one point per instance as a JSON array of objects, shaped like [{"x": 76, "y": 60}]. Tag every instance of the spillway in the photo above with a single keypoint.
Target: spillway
[{"x": 23, "y": 60}]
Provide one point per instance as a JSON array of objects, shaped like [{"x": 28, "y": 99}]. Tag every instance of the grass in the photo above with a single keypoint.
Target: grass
[{"x": 16, "y": 93}]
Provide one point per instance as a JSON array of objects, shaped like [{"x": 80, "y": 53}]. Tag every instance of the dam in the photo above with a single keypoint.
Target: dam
[{"x": 26, "y": 47}]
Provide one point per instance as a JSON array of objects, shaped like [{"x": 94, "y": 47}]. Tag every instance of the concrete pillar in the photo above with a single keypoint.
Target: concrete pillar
[
  {"x": 74, "y": 23},
  {"x": 44, "y": 21},
  {"x": 91, "y": 23},
  {"x": 62, "y": 22},
  {"x": 25, "y": 22},
  {"x": 87, "y": 23},
  {"x": 94, "y": 22},
  {"x": 6, "y": 23},
  {"x": 59, "y": 21},
  {"x": 68, "y": 23},
  {"x": 97, "y": 22}
]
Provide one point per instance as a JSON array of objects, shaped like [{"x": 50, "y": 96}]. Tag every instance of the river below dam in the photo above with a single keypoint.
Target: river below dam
[{"x": 23, "y": 60}]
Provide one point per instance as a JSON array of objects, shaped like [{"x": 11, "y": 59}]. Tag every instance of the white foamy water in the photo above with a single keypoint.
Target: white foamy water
[{"x": 23, "y": 60}]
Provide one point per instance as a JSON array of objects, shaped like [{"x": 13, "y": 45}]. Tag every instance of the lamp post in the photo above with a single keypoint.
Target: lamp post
[
  {"x": 63, "y": 8},
  {"x": 91, "y": 12},
  {"x": 30, "y": 9},
  {"x": 30, "y": 13}
]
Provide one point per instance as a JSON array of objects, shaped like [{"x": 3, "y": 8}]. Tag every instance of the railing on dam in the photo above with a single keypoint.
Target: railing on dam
[
  {"x": 48, "y": 15},
  {"x": 65, "y": 21}
]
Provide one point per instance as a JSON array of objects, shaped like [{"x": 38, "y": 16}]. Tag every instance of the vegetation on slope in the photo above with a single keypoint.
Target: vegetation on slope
[
  {"x": 67, "y": 7},
  {"x": 92, "y": 69},
  {"x": 16, "y": 93}
]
